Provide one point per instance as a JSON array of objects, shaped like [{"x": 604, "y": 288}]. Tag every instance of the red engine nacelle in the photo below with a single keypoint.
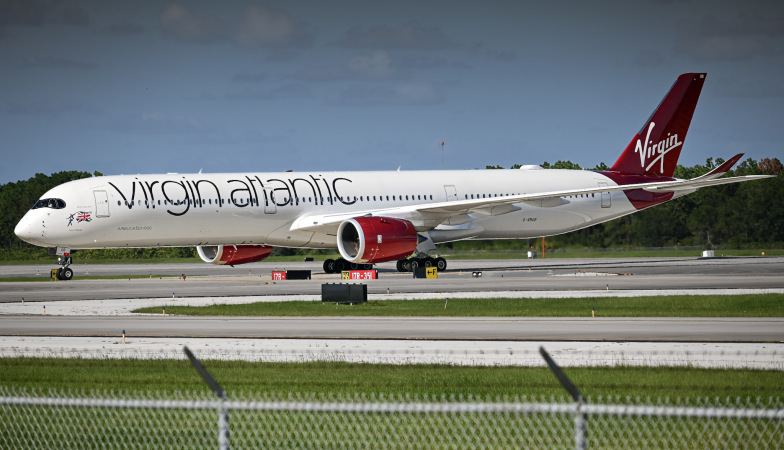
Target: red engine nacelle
[
  {"x": 233, "y": 254},
  {"x": 376, "y": 239}
]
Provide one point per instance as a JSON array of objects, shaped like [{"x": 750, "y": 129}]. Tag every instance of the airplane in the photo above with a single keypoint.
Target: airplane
[{"x": 369, "y": 217}]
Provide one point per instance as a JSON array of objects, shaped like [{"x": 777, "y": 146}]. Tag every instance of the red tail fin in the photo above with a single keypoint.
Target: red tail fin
[{"x": 655, "y": 149}]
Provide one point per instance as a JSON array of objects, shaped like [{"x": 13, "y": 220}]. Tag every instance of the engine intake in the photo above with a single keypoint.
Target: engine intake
[
  {"x": 233, "y": 254},
  {"x": 376, "y": 239}
]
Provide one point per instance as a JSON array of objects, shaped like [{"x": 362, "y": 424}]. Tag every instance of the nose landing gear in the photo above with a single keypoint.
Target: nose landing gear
[
  {"x": 64, "y": 259},
  {"x": 64, "y": 273}
]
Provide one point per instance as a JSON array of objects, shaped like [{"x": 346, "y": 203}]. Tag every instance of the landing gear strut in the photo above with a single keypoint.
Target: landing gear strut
[{"x": 340, "y": 264}]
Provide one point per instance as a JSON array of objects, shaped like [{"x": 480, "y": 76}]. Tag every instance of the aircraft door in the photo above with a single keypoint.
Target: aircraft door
[
  {"x": 451, "y": 192},
  {"x": 101, "y": 204},
  {"x": 606, "y": 197},
  {"x": 269, "y": 202}
]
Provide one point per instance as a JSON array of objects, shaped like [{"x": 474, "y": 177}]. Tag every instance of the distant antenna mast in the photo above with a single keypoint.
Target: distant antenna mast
[{"x": 442, "y": 155}]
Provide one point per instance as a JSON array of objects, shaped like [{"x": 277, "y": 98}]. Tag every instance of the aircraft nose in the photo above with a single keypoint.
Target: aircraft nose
[{"x": 24, "y": 230}]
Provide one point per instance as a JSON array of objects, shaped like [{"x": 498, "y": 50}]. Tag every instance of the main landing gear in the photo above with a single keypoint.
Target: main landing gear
[
  {"x": 403, "y": 265},
  {"x": 408, "y": 265},
  {"x": 340, "y": 264}
]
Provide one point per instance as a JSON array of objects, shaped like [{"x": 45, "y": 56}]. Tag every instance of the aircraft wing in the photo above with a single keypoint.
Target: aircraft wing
[{"x": 429, "y": 215}]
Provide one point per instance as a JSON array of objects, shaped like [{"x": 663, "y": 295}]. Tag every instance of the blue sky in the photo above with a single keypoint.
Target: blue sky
[{"x": 159, "y": 86}]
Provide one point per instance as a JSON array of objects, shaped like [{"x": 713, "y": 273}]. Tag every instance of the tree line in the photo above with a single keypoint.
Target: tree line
[{"x": 742, "y": 215}]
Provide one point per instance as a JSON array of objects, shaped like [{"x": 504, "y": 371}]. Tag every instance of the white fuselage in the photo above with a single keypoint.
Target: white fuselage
[{"x": 262, "y": 208}]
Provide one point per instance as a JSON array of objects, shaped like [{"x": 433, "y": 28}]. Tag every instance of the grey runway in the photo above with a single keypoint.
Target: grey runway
[
  {"x": 497, "y": 275},
  {"x": 501, "y": 329}
]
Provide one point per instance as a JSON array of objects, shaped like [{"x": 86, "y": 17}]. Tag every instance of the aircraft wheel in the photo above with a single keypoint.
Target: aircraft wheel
[
  {"x": 329, "y": 266},
  {"x": 354, "y": 266},
  {"x": 340, "y": 265},
  {"x": 367, "y": 266},
  {"x": 429, "y": 262},
  {"x": 67, "y": 273},
  {"x": 414, "y": 263},
  {"x": 440, "y": 264},
  {"x": 400, "y": 265},
  {"x": 60, "y": 273},
  {"x": 406, "y": 265}
]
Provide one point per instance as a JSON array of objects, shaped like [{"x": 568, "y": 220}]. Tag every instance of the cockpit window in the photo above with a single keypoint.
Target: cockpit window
[{"x": 54, "y": 203}]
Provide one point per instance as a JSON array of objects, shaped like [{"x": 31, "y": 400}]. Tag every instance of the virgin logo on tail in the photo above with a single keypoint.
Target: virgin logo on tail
[{"x": 658, "y": 150}]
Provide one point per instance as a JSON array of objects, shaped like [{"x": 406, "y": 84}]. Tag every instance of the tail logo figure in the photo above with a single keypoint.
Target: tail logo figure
[{"x": 662, "y": 148}]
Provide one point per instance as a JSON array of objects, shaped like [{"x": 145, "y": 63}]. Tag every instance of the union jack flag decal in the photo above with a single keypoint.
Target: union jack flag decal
[{"x": 84, "y": 216}]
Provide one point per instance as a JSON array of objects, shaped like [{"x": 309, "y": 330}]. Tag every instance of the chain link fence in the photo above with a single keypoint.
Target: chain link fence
[{"x": 33, "y": 419}]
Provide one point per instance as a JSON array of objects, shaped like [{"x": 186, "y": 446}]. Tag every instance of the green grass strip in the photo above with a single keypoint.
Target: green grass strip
[
  {"x": 756, "y": 305},
  {"x": 570, "y": 253},
  {"x": 353, "y": 378}
]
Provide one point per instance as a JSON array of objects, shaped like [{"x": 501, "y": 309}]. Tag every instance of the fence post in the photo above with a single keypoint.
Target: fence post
[
  {"x": 577, "y": 396},
  {"x": 579, "y": 427},
  {"x": 223, "y": 412}
]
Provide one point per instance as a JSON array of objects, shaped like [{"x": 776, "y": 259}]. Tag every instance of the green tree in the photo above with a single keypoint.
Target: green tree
[
  {"x": 561, "y": 165},
  {"x": 17, "y": 198}
]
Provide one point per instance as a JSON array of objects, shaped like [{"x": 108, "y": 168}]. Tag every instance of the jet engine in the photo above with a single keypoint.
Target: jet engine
[
  {"x": 376, "y": 239},
  {"x": 233, "y": 254}
]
